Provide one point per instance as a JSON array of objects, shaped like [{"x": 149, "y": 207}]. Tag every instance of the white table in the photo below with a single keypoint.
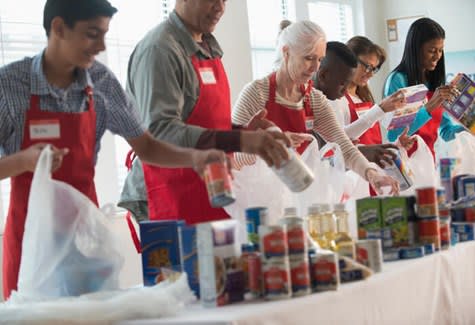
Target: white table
[{"x": 436, "y": 289}]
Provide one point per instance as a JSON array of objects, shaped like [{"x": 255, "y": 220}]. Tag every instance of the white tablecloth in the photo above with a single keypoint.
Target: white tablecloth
[{"x": 436, "y": 289}]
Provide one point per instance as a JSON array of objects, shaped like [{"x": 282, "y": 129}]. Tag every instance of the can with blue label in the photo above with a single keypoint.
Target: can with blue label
[
  {"x": 255, "y": 217},
  {"x": 411, "y": 252}
]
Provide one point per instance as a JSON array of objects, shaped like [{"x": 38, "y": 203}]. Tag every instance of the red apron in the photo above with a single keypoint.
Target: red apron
[
  {"x": 373, "y": 134},
  {"x": 180, "y": 193},
  {"x": 78, "y": 133},
  {"x": 290, "y": 119},
  {"x": 429, "y": 131}
]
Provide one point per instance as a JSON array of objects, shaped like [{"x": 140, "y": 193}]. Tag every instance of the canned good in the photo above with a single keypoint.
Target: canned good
[
  {"x": 429, "y": 249},
  {"x": 391, "y": 254},
  {"x": 369, "y": 253},
  {"x": 255, "y": 275},
  {"x": 411, "y": 252},
  {"x": 427, "y": 206},
  {"x": 324, "y": 271},
  {"x": 273, "y": 241},
  {"x": 296, "y": 238},
  {"x": 429, "y": 232},
  {"x": 300, "y": 277},
  {"x": 276, "y": 277},
  {"x": 255, "y": 217},
  {"x": 218, "y": 184},
  {"x": 295, "y": 173},
  {"x": 441, "y": 198},
  {"x": 445, "y": 233}
]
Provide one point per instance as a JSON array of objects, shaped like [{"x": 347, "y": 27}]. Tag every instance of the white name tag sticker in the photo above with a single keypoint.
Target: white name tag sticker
[
  {"x": 309, "y": 123},
  {"x": 207, "y": 76},
  {"x": 44, "y": 129}
]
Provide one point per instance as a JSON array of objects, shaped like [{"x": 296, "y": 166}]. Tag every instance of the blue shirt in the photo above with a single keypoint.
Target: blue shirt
[
  {"x": 447, "y": 129},
  {"x": 19, "y": 80}
]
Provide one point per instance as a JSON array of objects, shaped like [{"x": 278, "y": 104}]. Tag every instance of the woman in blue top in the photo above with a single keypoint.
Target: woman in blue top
[{"x": 423, "y": 62}]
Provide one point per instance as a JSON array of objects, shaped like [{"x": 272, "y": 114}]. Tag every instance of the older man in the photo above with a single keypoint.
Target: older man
[{"x": 180, "y": 86}]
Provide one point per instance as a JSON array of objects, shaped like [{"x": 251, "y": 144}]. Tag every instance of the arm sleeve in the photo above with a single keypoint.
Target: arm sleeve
[
  {"x": 249, "y": 102},
  {"x": 355, "y": 129},
  {"x": 395, "y": 82},
  {"x": 448, "y": 128},
  {"x": 156, "y": 82},
  {"x": 327, "y": 126}
]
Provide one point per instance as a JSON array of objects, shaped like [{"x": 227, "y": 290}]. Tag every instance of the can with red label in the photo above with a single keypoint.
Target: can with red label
[
  {"x": 273, "y": 241},
  {"x": 370, "y": 253},
  {"x": 300, "y": 277},
  {"x": 426, "y": 199},
  {"x": 429, "y": 232},
  {"x": 296, "y": 238},
  {"x": 276, "y": 275},
  {"x": 445, "y": 233},
  {"x": 324, "y": 271},
  {"x": 254, "y": 267},
  {"x": 218, "y": 184}
]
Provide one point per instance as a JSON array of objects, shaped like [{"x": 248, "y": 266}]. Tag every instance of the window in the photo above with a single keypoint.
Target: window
[
  {"x": 326, "y": 13},
  {"x": 22, "y": 34},
  {"x": 264, "y": 29}
]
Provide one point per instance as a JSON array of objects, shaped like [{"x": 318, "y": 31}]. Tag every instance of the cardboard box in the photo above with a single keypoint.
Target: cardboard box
[
  {"x": 368, "y": 212},
  {"x": 394, "y": 214},
  {"x": 220, "y": 270}
]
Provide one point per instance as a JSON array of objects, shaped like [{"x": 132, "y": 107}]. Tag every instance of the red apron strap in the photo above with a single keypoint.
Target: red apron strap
[
  {"x": 133, "y": 233},
  {"x": 129, "y": 159}
]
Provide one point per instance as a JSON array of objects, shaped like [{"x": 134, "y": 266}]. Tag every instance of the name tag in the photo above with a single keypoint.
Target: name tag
[
  {"x": 44, "y": 129},
  {"x": 207, "y": 76},
  {"x": 309, "y": 123}
]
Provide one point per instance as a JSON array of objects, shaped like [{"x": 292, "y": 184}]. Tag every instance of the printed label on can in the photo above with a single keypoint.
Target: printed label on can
[
  {"x": 300, "y": 277},
  {"x": 273, "y": 241},
  {"x": 276, "y": 280},
  {"x": 429, "y": 232},
  {"x": 218, "y": 184}
]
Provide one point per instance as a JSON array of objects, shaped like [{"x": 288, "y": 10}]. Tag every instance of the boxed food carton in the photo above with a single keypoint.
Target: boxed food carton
[
  {"x": 402, "y": 117},
  {"x": 394, "y": 214},
  {"x": 368, "y": 212},
  {"x": 463, "y": 107},
  {"x": 220, "y": 270},
  {"x": 168, "y": 245}
]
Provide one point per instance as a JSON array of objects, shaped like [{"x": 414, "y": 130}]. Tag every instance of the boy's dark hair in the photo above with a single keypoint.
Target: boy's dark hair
[
  {"x": 343, "y": 52},
  {"x": 75, "y": 10},
  {"x": 420, "y": 32}
]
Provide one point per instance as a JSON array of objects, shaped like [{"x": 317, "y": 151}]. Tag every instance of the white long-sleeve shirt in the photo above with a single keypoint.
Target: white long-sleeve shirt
[{"x": 355, "y": 129}]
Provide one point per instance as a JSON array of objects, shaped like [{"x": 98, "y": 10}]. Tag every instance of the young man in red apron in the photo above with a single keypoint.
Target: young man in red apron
[
  {"x": 177, "y": 78},
  {"x": 63, "y": 97}
]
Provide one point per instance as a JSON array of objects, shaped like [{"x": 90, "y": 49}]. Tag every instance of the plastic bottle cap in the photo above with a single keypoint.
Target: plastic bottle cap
[
  {"x": 313, "y": 209},
  {"x": 324, "y": 207},
  {"x": 339, "y": 207}
]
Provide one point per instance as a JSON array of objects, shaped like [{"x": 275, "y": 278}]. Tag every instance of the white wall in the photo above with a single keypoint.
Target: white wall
[{"x": 232, "y": 33}]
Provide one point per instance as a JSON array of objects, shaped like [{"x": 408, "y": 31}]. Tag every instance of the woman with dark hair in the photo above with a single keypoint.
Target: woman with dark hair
[{"x": 423, "y": 63}]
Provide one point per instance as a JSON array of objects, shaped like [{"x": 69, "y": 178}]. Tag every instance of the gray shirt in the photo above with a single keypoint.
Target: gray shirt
[{"x": 163, "y": 82}]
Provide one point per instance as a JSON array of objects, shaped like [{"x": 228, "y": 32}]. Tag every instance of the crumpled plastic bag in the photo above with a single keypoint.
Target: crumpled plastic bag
[
  {"x": 67, "y": 248},
  {"x": 107, "y": 307}
]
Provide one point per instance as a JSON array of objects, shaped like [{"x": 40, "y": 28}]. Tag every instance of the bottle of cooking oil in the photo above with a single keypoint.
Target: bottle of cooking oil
[
  {"x": 345, "y": 245},
  {"x": 315, "y": 225},
  {"x": 328, "y": 226}
]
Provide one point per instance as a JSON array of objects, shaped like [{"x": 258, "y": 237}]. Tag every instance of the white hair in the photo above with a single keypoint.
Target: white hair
[{"x": 301, "y": 37}]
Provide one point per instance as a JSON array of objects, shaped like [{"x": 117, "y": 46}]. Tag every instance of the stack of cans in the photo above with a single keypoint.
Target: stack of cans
[
  {"x": 428, "y": 217},
  {"x": 298, "y": 255}
]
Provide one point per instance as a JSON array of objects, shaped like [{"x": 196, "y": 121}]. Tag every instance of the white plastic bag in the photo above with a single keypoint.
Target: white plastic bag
[
  {"x": 67, "y": 249},
  {"x": 258, "y": 185},
  {"x": 422, "y": 165}
]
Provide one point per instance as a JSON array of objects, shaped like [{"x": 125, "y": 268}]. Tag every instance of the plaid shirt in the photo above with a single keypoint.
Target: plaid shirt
[{"x": 19, "y": 80}]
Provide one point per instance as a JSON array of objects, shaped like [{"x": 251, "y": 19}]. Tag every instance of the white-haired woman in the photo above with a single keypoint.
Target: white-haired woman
[{"x": 295, "y": 106}]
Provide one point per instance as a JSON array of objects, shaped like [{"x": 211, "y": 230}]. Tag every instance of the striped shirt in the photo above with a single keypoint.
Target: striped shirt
[
  {"x": 21, "y": 79},
  {"x": 254, "y": 96}
]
